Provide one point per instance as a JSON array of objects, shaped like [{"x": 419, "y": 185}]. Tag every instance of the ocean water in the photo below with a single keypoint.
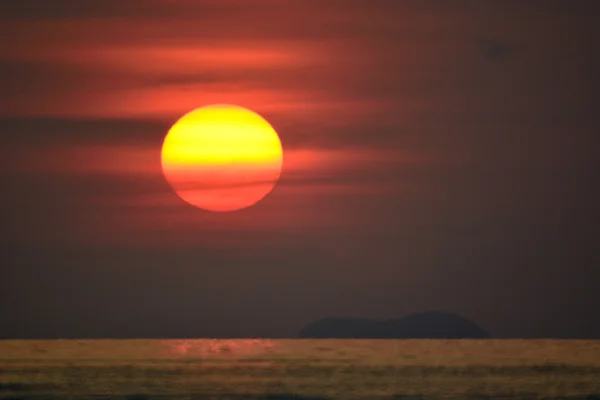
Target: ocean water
[{"x": 299, "y": 369}]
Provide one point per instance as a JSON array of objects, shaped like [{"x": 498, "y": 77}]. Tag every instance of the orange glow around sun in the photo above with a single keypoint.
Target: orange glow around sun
[{"x": 222, "y": 157}]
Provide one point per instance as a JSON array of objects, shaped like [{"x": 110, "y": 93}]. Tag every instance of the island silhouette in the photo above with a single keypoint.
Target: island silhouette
[{"x": 424, "y": 325}]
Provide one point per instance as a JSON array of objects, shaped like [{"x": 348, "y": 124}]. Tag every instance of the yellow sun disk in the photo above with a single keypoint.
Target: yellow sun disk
[
  {"x": 222, "y": 157},
  {"x": 221, "y": 137}
]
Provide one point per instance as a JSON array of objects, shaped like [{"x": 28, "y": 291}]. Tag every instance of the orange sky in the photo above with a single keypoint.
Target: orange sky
[{"x": 423, "y": 140}]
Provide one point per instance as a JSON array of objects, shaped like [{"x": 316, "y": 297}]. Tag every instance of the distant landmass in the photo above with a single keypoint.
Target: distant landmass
[{"x": 426, "y": 325}]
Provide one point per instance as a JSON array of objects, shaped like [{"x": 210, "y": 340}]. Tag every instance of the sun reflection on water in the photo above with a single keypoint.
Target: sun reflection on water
[{"x": 203, "y": 348}]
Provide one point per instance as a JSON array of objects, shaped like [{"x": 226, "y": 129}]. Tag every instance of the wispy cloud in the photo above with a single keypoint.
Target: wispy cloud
[{"x": 361, "y": 93}]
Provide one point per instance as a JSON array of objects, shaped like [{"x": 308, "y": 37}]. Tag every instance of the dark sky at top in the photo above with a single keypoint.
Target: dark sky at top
[{"x": 439, "y": 155}]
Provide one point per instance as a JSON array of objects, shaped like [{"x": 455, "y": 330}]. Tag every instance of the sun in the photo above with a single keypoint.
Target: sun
[{"x": 222, "y": 157}]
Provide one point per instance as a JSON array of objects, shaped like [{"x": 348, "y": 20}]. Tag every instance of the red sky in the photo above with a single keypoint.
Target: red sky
[{"x": 434, "y": 155}]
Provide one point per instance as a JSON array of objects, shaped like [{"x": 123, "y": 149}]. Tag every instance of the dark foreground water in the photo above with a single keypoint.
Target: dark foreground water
[{"x": 299, "y": 369}]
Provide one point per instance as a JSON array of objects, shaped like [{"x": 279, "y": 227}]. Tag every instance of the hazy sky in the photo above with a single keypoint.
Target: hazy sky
[{"x": 438, "y": 155}]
